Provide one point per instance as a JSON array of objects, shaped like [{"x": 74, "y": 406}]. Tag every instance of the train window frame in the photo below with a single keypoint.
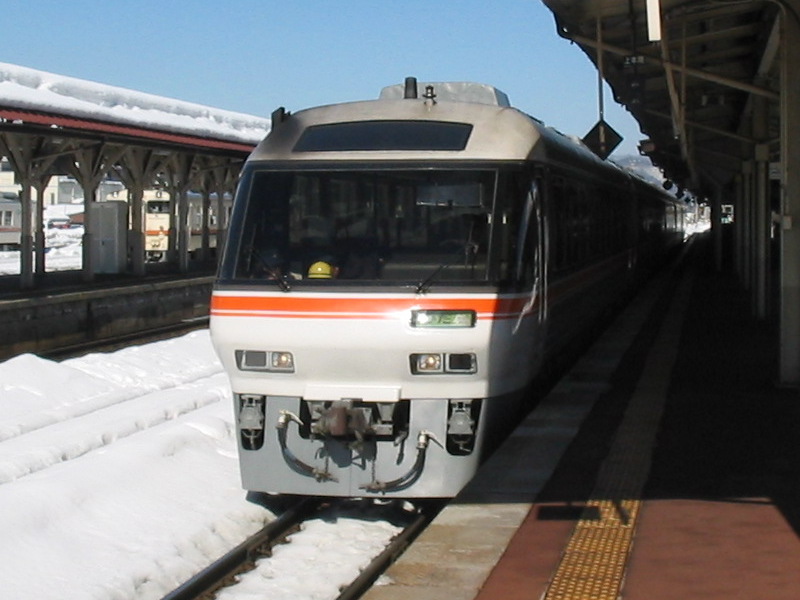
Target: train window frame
[
  {"x": 526, "y": 259},
  {"x": 589, "y": 210},
  {"x": 386, "y": 135},
  {"x": 480, "y": 273}
]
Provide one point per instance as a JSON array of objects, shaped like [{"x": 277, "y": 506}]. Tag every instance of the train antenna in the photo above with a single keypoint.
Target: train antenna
[
  {"x": 279, "y": 115},
  {"x": 411, "y": 88}
]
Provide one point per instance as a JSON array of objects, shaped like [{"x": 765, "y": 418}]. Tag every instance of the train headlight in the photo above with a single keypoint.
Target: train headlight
[
  {"x": 431, "y": 363},
  {"x": 265, "y": 360},
  {"x": 282, "y": 361},
  {"x": 426, "y": 363},
  {"x": 443, "y": 318}
]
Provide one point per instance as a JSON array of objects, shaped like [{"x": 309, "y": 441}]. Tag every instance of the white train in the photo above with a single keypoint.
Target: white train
[
  {"x": 10, "y": 221},
  {"x": 158, "y": 222},
  {"x": 397, "y": 272}
]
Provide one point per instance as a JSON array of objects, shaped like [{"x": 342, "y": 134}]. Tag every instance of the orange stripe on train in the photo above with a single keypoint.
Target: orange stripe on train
[{"x": 362, "y": 308}]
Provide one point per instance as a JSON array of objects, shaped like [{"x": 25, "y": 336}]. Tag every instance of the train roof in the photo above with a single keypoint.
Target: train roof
[{"x": 463, "y": 122}]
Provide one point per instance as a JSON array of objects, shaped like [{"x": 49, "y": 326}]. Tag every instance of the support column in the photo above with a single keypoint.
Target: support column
[
  {"x": 88, "y": 262},
  {"x": 761, "y": 223},
  {"x": 39, "y": 225},
  {"x": 740, "y": 197},
  {"x": 89, "y": 167},
  {"x": 138, "y": 170},
  {"x": 136, "y": 232},
  {"x": 716, "y": 226},
  {"x": 205, "y": 234},
  {"x": 26, "y": 237},
  {"x": 223, "y": 181},
  {"x": 182, "y": 172},
  {"x": 184, "y": 231},
  {"x": 222, "y": 221},
  {"x": 789, "y": 360},
  {"x": 746, "y": 218},
  {"x": 30, "y": 161}
]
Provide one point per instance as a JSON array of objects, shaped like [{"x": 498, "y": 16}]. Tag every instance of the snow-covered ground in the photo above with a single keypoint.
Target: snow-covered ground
[
  {"x": 64, "y": 252},
  {"x": 119, "y": 480}
]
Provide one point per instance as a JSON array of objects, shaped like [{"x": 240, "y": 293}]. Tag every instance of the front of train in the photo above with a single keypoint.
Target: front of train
[{"x": 379, "y": 297}]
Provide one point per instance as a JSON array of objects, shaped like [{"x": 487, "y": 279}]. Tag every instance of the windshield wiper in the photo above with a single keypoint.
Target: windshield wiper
[
  {"x": 470, "y": 252},
  {"x": 272, "y": 273},
  {"x": 280, "y": 279}
]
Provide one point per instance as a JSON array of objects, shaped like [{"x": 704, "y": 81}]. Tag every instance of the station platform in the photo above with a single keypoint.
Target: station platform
[
  {"x": 54, "y": 283},
  {"x": 65, "y": 312},
  {"x": 664, "y": 465}
]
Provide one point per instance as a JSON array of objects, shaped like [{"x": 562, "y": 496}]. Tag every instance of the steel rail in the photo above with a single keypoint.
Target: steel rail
[
  {"x": 396, "y": 547},
  {"x": 235, "y": 561}
]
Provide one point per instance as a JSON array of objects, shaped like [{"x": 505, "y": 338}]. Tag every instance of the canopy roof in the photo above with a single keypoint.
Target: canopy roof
[{"x": 693, "y": 79}]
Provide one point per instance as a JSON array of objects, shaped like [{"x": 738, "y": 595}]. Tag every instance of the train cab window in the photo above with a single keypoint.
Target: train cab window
[
  {"x": 384, "y": 135},
  {"x": 426, "y": 227},
  {"x": 156, "y": 207}
]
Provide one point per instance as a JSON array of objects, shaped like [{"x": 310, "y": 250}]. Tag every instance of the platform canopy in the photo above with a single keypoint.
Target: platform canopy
[
  {"x": 714, "y": 86},
  {"x": 691, "y": 73}
]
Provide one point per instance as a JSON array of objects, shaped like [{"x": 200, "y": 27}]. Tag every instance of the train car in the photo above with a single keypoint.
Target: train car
[
  {"x": 10, "y": 221},
  {"x": 397, "y": 272},
  {"x": 158, "y": 222}
]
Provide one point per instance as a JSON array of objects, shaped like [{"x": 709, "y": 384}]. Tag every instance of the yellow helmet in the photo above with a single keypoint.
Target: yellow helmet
[{"x": 320, "y": 270}]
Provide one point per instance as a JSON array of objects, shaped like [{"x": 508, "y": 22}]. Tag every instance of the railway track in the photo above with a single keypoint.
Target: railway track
[
  {"x": 225, "y": 573},
  {"x": 243, "y": 556}
]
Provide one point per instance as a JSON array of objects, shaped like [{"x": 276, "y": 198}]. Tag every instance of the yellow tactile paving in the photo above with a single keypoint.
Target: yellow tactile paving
[{"x": 594, "y": 560}]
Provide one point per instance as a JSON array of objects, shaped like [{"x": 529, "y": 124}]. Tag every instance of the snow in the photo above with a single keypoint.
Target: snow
[
  {"x": 119, "y": 480},
  {"x": 64, "y": 252},
  {"x": 30, "y": 89},
  {"x": 338, "y": 547}
]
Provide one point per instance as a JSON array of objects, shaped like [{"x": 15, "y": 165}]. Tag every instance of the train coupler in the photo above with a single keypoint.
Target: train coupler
[
  {"x": 423, "y": 441},
  {"x": 284, "y": 418},
  {"x": 343, "y": 418}
]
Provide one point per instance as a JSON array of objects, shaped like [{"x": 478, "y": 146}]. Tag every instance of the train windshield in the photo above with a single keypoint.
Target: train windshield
[{"x": 427, "y": 227}]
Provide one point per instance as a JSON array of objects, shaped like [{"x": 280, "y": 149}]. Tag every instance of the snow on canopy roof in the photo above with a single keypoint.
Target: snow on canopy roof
[{"x": 29, "y": 89}]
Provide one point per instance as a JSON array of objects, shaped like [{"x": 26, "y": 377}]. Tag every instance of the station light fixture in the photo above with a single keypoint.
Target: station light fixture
[{"x": 653, "y": 9}]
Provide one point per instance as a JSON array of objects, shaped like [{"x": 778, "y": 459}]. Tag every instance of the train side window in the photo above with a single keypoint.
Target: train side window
[
  {"x": 526, "y": 269},
  {"x": 557, "y": 219}
]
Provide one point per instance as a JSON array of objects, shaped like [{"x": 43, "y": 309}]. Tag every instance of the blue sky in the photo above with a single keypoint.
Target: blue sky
[{"x": 252, "y": 56}]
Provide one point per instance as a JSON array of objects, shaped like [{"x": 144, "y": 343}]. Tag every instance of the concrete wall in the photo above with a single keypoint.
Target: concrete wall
[{"x": 44, "y": 323}]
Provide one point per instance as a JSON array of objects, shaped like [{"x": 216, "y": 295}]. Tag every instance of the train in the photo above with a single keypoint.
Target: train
[
  {"x": 398, "y": 272},
  {"x": 158, "y": 220},
  {"x": 10, "y": 221}
]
